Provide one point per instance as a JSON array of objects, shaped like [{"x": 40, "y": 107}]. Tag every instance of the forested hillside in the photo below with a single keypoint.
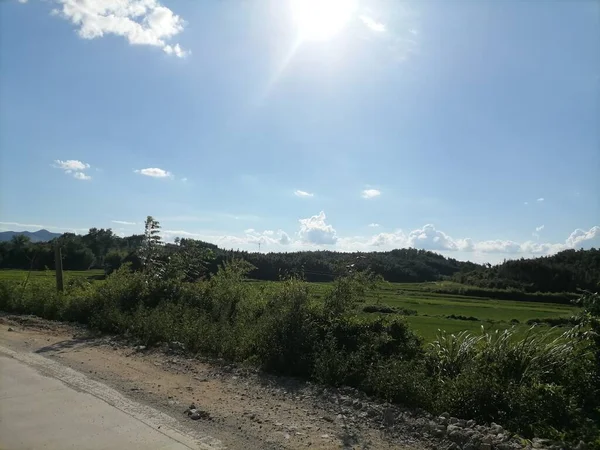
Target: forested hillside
[
  {"x": 101, "y": 248},
  {"x": 564, "y": 272}
]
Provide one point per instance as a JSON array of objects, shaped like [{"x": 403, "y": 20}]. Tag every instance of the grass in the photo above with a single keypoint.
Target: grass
[
  {"x": 432, "y": 307},
  {"x": 10, "y": 274}
]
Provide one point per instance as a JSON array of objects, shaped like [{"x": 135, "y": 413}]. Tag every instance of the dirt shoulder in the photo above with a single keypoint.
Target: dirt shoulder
[{"x": 241, "y": 407}]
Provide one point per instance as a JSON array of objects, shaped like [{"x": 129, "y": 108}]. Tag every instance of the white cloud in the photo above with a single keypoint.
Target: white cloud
[
  {"x": 154, "y": 172},
  {"x": 372, "y": 24},
  {"x": 540, "y": 228},
  {"x": 314, "y": 230},
  {"x": 429, "y": 238},
  {"x": 397, "y": 239},
  {"x": 541, "y": 199},
  {"x": 70, "y": 164},
  {"x": 299, "y": 193},
  {"x": 35, "y": 227},
  {"x": 284, "y": 238},
  {"x": 141, "y": 22},
  {"x": 184, "y": 179},
  {"x": 370, "y": 193},
  {"x": 22, "y": 1},
  {"x": 81, "y": 176},
  {"x": 3, "y": 225},
  {"x": 584, "y": 239},
  {"x": 123, "y": 222},
  {"x": 73, "y": 166},
  {"x": 497, "y": 246},
  {"x": 374, "y": 225},
  {"x": 526, "y": 203}
]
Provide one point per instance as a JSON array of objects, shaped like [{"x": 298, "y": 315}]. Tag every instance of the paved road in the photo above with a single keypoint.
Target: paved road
[{"x": 44, "y": 405}]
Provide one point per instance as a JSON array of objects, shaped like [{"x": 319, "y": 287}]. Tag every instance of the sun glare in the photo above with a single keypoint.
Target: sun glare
[{"x": 321, "y": 19}]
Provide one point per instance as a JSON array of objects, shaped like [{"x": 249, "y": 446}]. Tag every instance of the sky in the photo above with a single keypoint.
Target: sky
[{"x": 469, "y": 128}]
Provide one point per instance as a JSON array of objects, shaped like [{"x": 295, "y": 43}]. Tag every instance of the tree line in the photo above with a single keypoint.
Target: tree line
[{"x": 566, "y": 271}]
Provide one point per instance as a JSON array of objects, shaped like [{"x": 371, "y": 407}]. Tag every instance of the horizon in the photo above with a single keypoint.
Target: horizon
[
  {"x": 360, "y": 125},
  {"x": 261, "y": 251}
]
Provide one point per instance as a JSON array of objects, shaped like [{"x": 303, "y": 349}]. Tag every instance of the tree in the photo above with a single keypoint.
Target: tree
[{"x": 151, "y": 247}]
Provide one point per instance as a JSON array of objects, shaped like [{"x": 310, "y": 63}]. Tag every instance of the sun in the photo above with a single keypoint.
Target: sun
[{"x": 319, "y": 20}]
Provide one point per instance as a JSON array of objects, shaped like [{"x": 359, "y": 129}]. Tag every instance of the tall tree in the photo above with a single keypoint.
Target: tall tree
[{"x": 151, "y": 246}]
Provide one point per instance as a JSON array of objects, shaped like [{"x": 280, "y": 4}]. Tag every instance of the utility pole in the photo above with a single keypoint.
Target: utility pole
[{"x": 58, "y": 267}]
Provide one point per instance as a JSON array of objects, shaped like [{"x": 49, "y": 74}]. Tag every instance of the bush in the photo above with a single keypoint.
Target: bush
[
  {"x": 535, "y": 384},
  {"x": 388, "y": 310},
  {"x": 470, "y": 318}
]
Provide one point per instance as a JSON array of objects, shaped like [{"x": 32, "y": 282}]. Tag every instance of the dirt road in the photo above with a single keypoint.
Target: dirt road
[{"x": 236, "y": 408}]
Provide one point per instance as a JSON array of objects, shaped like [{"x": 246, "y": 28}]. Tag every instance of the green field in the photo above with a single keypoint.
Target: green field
[
  {"x": 432, "y": 308},
  {"x": 9, "y": 274}
]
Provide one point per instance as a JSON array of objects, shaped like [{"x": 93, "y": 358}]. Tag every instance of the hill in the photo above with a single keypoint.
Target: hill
[
  {"x": 565, "y": 271},
  {"x": 34, "y": 236}
]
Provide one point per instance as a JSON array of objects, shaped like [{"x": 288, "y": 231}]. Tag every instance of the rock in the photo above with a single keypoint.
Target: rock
[
  {"x": 438, "y": 432},
  {"x": 175, "y": 345},
  {"x": 461, "y": 423},
  {"x": 540, "y": 443},
  {"x": 10, "y": 329},
  {"x": 487, "y": 439},
  {"x": 485, "y": 446},
  {"x": 140, "y": 348},
  {"x": 452, "y": 428},
  {"x": 453, "y": 420},
  {"x": 457, "y": 436},
  {"x": 470, "y": 423},
  {"x": 445, "y": 415},
  {"x": 199, "y": 414},
  {"x": 443, "y": 420},
  {"x": 508, "y": 446},
  {"x": 496, "y": 429},
  {"x": 389, "y": 417}
]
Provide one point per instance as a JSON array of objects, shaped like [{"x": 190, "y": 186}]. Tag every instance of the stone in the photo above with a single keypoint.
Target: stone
[
  {"x": 443, "y": 420},
  {"x": 470, "y": 423},
  {"x": 445, "y": 415},
  {"x": 453, "y": 420},
  {"x": 457, "y": 436},
  {"x": 389, "y": 417},
  {"x": 438, "y": 432},
  {"x": 199, "y": 414},
  {"x": 485, "y": 446},
  {"x": 487, "y": 439},
  {"x": 10, "y": 329}
]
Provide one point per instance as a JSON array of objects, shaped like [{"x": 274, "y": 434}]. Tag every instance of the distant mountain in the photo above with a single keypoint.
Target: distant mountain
[{"x": 35, "y": 236}]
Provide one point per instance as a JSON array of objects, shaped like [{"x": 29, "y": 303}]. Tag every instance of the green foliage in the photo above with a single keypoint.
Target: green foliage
[{"x": 536, "y": 383}]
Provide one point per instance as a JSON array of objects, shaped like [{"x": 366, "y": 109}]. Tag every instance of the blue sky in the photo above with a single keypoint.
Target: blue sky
[{"x": 468, "y": 128}]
